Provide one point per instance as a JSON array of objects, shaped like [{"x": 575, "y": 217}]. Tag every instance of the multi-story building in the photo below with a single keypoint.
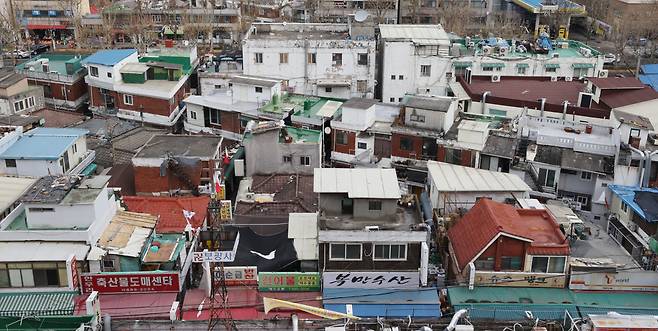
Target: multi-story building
[
  {"x": 45, "y": 151},
  {"x": 149, "y": 89},
  {"x": 62, "y": 79},
  {"x": 16, "y": 96},
  {"x": 271, "y": 147},
  {"x": 51, "y": 18},
  {"x": 510, "y": 245},
  {"x": 214, "y": 76},
  {"x": 326, "y": 60}
]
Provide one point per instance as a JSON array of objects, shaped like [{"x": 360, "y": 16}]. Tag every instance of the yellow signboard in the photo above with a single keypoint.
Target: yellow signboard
[
  {"x": 225, "y": 210},
  {"x": 519, "y": 279},
  {"x": 270, "y": 303}
]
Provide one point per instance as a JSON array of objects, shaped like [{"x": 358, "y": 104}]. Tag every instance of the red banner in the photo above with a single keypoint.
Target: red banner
[{"x": 130, "y": 282}]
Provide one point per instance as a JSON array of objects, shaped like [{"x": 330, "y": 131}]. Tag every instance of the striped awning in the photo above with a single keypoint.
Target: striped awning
[
  {"x": 459, "y": 64},
  {"x": 493, "y": 65},
  {"x": 37, "y": 304},
  {"x": 582, "y": 65},
  {"x": 522, "y": 65},
  {"x": 551, "y": 65}
]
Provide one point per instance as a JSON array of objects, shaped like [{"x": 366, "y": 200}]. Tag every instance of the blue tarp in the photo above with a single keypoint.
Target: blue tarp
[
  {"x": 650, "y": 69},
  {"x": 651, "y": 80},
  {"x": 417, "y": 302},
  {"x": 627, "y": 195}
]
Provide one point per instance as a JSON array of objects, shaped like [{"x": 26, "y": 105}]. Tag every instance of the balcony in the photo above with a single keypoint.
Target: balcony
[{"x": 89, "y": 157}]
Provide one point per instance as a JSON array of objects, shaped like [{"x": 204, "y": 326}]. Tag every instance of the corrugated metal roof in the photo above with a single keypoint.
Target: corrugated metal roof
[
  {"x": 12, "y": 189},
  {"x": 416, "y": 302},
  {"x": 627, "y": 195},
  {"x": 43, "y": 143},
  {"x": 415, "y": 33},
  {"x": 134, "y": 68},
  {"x": 358, "y": 183},
  {"x": 127, "y": 233},
  {"x": 108, "y": 57},
  {"x": 329, "y": 108},
  {"x": 26, "y": 251},
  {"x": 37, "y": 304},
  {"x": 516, "y": 312},
  {"x": 650, "y": 69},
  {"x": 448, "y": 177}
]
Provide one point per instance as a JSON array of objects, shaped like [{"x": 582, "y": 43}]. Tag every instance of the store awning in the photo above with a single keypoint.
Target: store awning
[
  {"x": 459, "y": 64},
  {"x": 551, "y": 65},
  {"x": 37, "y": 304},
  {"x": 417, "y": 303},
  {"x": 582, "y": 65},
  {"x": 493, "y": 65},
  {"x": 522, "y": 65},
  {"x": 46, "y": 27}
]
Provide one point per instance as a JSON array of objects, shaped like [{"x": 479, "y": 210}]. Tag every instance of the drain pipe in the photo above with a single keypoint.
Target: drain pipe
[
  {"x": 647, "y": 167},
  {"x": 295, "y": 322},
  {"x": 484, "y": 101},
  {"x": 543, "y": 103},
  {"x": 642, "y": 160},
  {"x": 565, "y": 105},
  {"x": 455, "y": 319}
]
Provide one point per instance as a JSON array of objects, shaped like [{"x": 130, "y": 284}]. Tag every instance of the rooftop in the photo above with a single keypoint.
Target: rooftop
[
  {"x": 127, "y": 233},
  {"x": 58, "y": 118},
  {"x": 41, "y": 251},
  {"x": 428, "y": 103},
  {"x": 488, "y": 220},
  {"x": 12, "y": 189},
  {"x": 254, "y": 80},
  {"x": 633, "y": 120},
  {"x": 108, "y": 57},
  {"x": 537, "y": 6},
  {"x": 106, "y": 127},
  {"x": 43, "y": 143},
  {"x": 170, "y": 211},
  {"x": 181, "y": 146},
  {"x": 56, "y": 63},
  {"x": 65, "y": 190},
  {"x": 617, "y": 83},
  {"x": 420, "y": 34},
  {"x": 614, "y": 98},
  {"x": 570, "y": 159},
  {"x": 359, "y": 103},
  {"x": 298, "y": 31},
  {"x": 167, "y": 248},
  {"x": 643, "y": 200},
  {"x": 9, "y": 77},
  {"x": 454, "y": 178},
  {"x": 357, "y": 183},
  {"x": 278, "y": 194},
  {"x": 500, "y": 146}
]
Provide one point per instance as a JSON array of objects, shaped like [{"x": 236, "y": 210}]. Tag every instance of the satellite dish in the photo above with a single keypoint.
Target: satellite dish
[{"x": 360, "y": 15}]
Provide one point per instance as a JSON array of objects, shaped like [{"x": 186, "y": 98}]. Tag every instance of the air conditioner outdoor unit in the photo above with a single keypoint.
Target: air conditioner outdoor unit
[
  {"x": 568, "y": 78},
  {"x": 603, "y": 74},
  {"x": 372, "y": 228},
  {"x": 495, "y": 78},
  {"x": 553, "y": 78},
  {"x": 486, "y": 50},
  {"x": 556, "y": 55},
  {"x": 503, "y": 51}
]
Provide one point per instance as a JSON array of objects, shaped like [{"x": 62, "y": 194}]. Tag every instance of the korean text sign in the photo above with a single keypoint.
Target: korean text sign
[
  {"x": 138, "y": 282},
  {"x": 349, "y": 279},
  {"x": 288, "y": 281}
]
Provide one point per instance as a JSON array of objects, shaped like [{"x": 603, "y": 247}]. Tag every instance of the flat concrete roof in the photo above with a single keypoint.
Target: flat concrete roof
[{"x": 178, "y": 145}]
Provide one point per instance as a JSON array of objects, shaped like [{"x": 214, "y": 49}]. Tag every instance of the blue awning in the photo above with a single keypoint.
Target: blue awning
[
  {"x": 89, "y": 170},
  {"x": 417, "y": 302}
]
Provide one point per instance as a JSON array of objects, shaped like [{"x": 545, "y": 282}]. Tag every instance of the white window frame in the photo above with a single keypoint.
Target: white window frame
[
  {"x": 586, "y": 176},
  {"x": 193, "y": 114},
  {"x": 283, "y": 58},
  {"x": 127, "y": 97},
  {"x": 374, "y": 258},
  {"x": 91, "y": 71},
  {"x": 582, "y": 199},
  {"x": 305, "y": 158},
  {"x": 624, "y": 207},
  {"x": 521, "y": 70},
  {"x": 331, "y": 258},
  {"x": 425, "y": 70},
  {"x": 549, "y": 263}
]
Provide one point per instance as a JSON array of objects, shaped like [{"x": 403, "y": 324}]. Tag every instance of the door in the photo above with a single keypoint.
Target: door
[
  {"x": 347, "y": 206},
  {"x": 382, "y": 147},
  {"x": 547, "y": 177}
]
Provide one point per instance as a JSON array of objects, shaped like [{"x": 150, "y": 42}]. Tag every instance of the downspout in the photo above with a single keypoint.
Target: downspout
[
  {"x": 543, "y": 103},
  {"x": 642, "y": 160},
  {"x": 565, "y": 105},
  {"x": 647, "y": 167},
  {"x": 455, "y": 319},
  {"x": 484, "y": 101}
]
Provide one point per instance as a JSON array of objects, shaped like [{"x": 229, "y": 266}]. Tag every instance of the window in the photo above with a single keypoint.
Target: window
[
  {"x": 484, "y": 263},
  {"x": 487, "y": 68},
  {"x": 485, "y": 162},
  {"x": 75, "y": 148},
  {"x": 547, "y": 177},
  {"x": 400, "y": 77},
  {"x": 390, "y": 252},
  {"x": 10, "y": 163},
  {"x": 391, "y": 99},
  {"x": 520, "y": 70},
  {"x": 305, "y": 160},
  {"x": 215, "y": 117},
  {"x": 65, "y": 160},
  {"x": 635, "y": 133},
  {"x": 311, "y": 58},
  {"x": 582, "y": 199},
  {"x": 584, "y": 175},
  {"x": 581, "y": 72},
  {"x": 345, "y": 252},
  {"x": 287, "y": 159},
  {"x": 406, "y": 144},
  {"x": 128, "y": 99},
  {"x": 416, "y": 118},
  {"x": 362, "y": 86},
  {"x": 624, "y": 207},
  {"x": 341, "y": 137},
  {"x": 283, "y": 58},
  {"x": 63, "y": 90},
  {"x": 41, "y": 210},
  {"x": 425, "y": 70},
  {"x": 217, "y": 87},
  {"x": 328, "y": 89},
  {"x": 362, "y": 145},
  {"x": 399, "y": 99},
  {"x": 362, "y": 59},
  {"x": 337, "y": 59},
  {"x": 510, "y": 263},
  {"x": 392, "y": 77},
  {"x": 108, "y": 265},
  {"x": 30, "y": 101},
  {"x": 453, "y": 156},
  {"x": 93, "y": 71},
  {"x": 551, "y": 69},
  {"x": 374, "y": 205},
  {"x": 548, "y": 264},
  {"x": 193, "y": 115},
  {"x": 258, "y": 89},
  {"x": 18, "y": 105},
  {"x": 109, "y": 75},
  {"x": 258, "y": 58}
]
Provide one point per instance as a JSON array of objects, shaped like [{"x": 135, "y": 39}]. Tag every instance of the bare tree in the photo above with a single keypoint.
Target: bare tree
[
  {"x": 140, "y": 26},
  {"x": 380, "y": 9},
  {"x": 10, "y": 28},
  {"x": 455, "y": 16},
  {"x": 75, "y": 10}
]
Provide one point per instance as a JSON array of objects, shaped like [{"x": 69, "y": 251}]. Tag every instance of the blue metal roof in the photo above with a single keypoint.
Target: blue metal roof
[
  {"x": 43, "y": 144},
  {"x": 627, "y": 195},
  {"x": 109, "y": 57},
  {"x": 418, "y": 302},
  {"x": 651, "y": 80},
  {"x": 650, "y": 69}
]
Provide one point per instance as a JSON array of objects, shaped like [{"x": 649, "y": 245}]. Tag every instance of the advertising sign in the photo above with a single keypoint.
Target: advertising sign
[
  {"x": 392, "y": 279},
  {"x": 72, "y": 272},
  {"x": 519, "y": 279},
  {"x": 237, "y": 276},
  {"x": 225, "y": 210},
  {"x": 271, "y": 303},
  {"x": 646, "y": 281},
  {"x": 288, "y": 281},
  {"x": 133, "y": 282},
  {"x": 213, "y": 256}
]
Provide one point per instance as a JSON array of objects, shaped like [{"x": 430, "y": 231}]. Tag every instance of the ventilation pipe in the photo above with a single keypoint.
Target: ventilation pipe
[
  {"x": 455, "y": 319},
  {"x": 642, "y": 160},
  {"x": 543, "y": 103},
  {"x": 484, "y": 101},
  {"x": 565, "y": 105}
]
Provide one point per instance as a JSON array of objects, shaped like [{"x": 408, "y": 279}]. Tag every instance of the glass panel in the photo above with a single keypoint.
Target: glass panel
[
  {"x": 63, "y": 277},
  {"x": 337, "y": 251},
  {"x": 4, "y": 278},
  {"x": 379, "y": 251},
  {"x": 28, "y": 278},
  {"x": 539, "y": 264},
  {"x": 44, "y": 265},
  {"x": 403, "y": 251},
  {"x": 15, "y": 278},
  {"x": 556, "y": 265},
  {"x": 550, "y": 178},
  {"x": 40, "y": 277},
  {"x": 353, "y": 252}
]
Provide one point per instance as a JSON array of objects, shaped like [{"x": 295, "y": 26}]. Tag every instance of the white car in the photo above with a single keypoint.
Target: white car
[
  {"x": 610, "y": 58},
  {"x": 19, "y": 54}
]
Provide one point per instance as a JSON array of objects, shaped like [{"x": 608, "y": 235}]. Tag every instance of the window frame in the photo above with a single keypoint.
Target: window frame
[
  {"x": 312, "y": 58},
  {"x": 586, "y": 176},
  {"x": 345, "y": 258},
  {"x": 258, "y": 89},
  {"x": 336, "y": 59},
  {"x": 410, "y": 147},
  {"x": 91, "y": 71},
  {"x": 374, "y": 205},
  {"x": 125, "y": 99},
  {"x": 7, "y": 165},
  {"x": 548, "y": 263},
  {"x": 425, "y": 70},
  {"x": 258, "y": 58},
  {"x": 362, "y": 59},
  {"x": 340, "y": 141},
  {"x": 305, "y": 160},
  {"x": 389, "y": 258},
  {"x": 359, "y": 145},
  {"x": 283, "y": 58}
]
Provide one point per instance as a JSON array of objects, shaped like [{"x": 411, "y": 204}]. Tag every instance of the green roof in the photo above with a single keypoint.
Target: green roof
[
  {"x": 462, "y": 64},
  {"x": 165, "y": 238},
  {"x": 582, "y": 65},
  {"x": 57, "y": 62},
  {"x": 300, "y": 135},
  {"x": 184, "y": 61},
  {"x": 37, "y": 304}
]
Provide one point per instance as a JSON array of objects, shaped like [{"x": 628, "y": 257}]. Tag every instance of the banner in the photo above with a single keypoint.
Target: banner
[
  {"x": 645, "y": 281},
  {"x": 237, "y": 275},
  {"x": 270, "y": 303},
  {"x": 130, "y": 282},
  {"x": 375, "y": 279},
  {"x": 288, "y": 281},
  {"x": 519, "y": 279},
  {"x": 72, "y": 272}
]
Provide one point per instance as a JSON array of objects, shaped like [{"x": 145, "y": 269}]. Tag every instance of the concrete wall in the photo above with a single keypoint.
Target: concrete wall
[
  {"x": 264, "y": 155},
  {"x": 575, "y": 183},
  {"x": 512, "y": 112},
  {"x": 331, "y": 205},
  {"x": 32, "y": 168},
  {"x": 433, "y": 119},
  {"x": 114, "y": 70},
  {"x": 245, "y": 92},
  {"x": 361, "y": 118},
  {"x": 646, "y": 109}
]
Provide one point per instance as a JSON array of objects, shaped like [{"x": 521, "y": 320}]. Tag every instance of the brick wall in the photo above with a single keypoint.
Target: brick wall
[
  {"x": 230, "y": 121},
  {"x": 350, "y": 147},
  {"x": 73, "y": 91},
  {"x": 148, "y": 179}
]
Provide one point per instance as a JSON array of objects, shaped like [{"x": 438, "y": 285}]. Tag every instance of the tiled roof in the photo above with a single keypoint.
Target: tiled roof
[
  {"x": 59, "y": 119},
  {"x": 487, "y": 219},
  {"x": 170, "y": 210}
]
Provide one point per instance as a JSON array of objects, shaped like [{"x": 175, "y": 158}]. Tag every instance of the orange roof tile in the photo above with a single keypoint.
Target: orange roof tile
[{"x": 170, "y": 210}]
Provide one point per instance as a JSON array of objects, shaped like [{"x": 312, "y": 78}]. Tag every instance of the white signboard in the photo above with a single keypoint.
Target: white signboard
[
  {"x": 217, "y": 256},
  {"x": 646, "y": 281},
  {"x": 350, "y": 279}
]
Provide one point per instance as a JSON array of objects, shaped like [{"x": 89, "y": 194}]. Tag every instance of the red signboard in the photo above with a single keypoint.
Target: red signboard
[
  {"x": 138, "y": 282},
  {"x": 72, "y": 271}
]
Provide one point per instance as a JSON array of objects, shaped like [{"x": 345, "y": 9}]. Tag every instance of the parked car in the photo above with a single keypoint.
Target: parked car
[
  {"x": 41, "y": 48},
  {"x": 610, "y": 58},
  {"x": 19, "y": 54}
]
